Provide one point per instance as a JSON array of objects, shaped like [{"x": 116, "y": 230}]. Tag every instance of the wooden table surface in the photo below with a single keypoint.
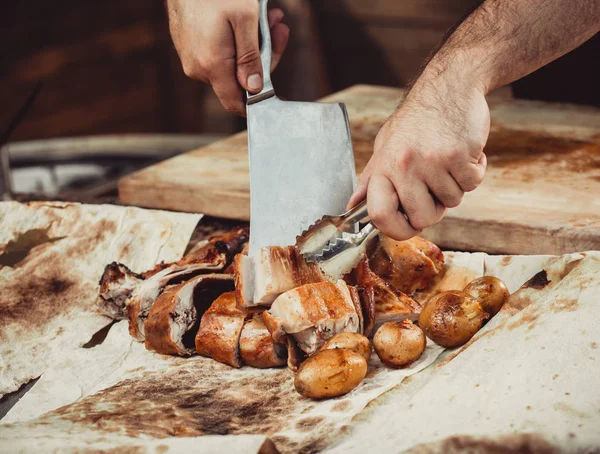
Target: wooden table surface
[{"x": 540, "y": 194}]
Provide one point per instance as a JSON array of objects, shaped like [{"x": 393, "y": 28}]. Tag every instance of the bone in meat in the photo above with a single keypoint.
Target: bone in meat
[{"x": 116, "y": 287}]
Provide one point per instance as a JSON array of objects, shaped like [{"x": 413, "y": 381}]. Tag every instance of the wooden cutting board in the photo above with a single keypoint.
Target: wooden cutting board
[{"x": 541, "y": 194}]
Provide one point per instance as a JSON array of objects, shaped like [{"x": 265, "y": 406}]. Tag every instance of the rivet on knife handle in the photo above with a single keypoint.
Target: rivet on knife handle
[{"x": 265, "y": 56}]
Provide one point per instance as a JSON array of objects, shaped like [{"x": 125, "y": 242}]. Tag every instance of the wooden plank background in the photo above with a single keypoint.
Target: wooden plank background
[{"x": 110, "y": 67}]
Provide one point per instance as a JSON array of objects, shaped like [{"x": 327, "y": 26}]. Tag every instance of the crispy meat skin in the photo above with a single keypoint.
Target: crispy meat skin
[
  {"x": 257, "y": 347},
  {"x": 219, "y": 251},
  {"x": 116, "y": 287},
  {"x": 174, "y": 317},
  {"x": 272, "y": 271},
  {"x": 212, "y": 257},
  {"x": 220, "y": 330},
  {"x": 407, "y": 265},
  {"x": 381, "y": 299},
  {"x": 312, "y": 314}
]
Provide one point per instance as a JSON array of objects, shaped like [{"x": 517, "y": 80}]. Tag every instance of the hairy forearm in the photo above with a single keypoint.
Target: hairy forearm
[{"x": 503, "y": 40}]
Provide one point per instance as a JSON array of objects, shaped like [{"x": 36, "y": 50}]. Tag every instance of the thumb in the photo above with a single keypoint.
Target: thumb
[{"x": 248, "y": 64}]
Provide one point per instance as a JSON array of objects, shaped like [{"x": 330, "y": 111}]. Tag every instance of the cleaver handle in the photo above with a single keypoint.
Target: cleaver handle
[{"x": 265, "y": 56}]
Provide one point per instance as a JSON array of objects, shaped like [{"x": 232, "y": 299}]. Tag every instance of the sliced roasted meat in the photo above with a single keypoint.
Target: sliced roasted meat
[
  {"x": 145, "y": 294},
  {"x": 116, "y": 287},
  {"x": 273, "y": 270},
  {"x": 389, "y": 303},
  {"x": 257, "y": 347},
  {"x": 220, "y": 330},
  {"x": 312, "y": 314},
  {"x": 407, "y": 265},
  {"x": 175, "y": 316},
  {"x": 215, "y": 254}
]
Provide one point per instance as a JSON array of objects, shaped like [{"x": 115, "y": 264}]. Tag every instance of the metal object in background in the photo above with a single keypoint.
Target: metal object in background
[
  {"x": 87, "y": 169},
  {"x": 5, "y": 172},
  {"x": 301, "y": 159}
]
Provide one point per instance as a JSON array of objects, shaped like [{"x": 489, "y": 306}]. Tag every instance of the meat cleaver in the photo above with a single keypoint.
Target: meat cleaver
[{"x": 301, "y": 159}]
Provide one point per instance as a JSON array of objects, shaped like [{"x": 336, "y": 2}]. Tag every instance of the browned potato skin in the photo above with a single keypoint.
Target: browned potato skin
[
  {"x": 351, "y": 341},
  {"x": 330, "y": 373},
  {"x": 491, "y": 293},
  {"x": 399, "y": 344},
  {"x": 451, "y": 318}
]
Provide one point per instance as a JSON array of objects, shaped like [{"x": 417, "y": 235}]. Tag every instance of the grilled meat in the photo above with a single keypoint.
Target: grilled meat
[
  {"x": 257, "y": 347},
  {"x": 407, "y": 265},
  {"x": 175, "y": 316},
  {"x": 116, "y": 287},
  {"x": 389, "y": 303},
  {"x": 260, "y": 279},
  {"x": 312, "y": 314},
  {"x": 220, "y": 330}
]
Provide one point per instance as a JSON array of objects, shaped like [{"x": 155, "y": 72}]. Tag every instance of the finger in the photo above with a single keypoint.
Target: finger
[
  {"x": 227, "y": 89},
  {"x": 445, "y": 189},
  {"x": 382, "y": 204},
  {"x": 245, "y": 29},
  {"x": 469, "y": 176},
  {"x": 360, "y": 192},
  {"x": 418, "y": 203},
  {"x": 275, "y": 17},
  {"x": 280, "y": 35}
]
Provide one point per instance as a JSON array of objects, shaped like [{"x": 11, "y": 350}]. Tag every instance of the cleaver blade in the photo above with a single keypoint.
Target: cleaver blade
[{"x": 301, "y": 160}]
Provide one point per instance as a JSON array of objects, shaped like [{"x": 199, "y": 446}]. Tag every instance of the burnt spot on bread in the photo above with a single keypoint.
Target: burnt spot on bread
[
  {"x": 538, "y": 282},
  {"x": 564, "y": 305},
  {"x": 342, "y": 406},
  {"x": 308, "y": 424},
  {"x": 526, "y": 318},
  {"x": 504, "y": 444},
  {"x": 506, "y": 260},
  {"x": 196, "y": 397},
  {"x": 22, "y": 298}
]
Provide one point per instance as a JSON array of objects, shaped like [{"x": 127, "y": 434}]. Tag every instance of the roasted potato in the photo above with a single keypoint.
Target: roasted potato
[
  {"x": 491, "y": 293},
  {"x": 351, "y": 341},
  {"x": 399, "y": 344},
  {"x": 330, "y": 373},
  {"x": 451, "y": 318}
]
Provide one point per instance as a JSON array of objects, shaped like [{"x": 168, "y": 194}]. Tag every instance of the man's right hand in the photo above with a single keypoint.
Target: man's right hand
[{"x": 217, "y": 42}]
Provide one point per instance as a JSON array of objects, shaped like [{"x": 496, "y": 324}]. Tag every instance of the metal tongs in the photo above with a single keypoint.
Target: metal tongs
[{"x": 337, "y": 243}]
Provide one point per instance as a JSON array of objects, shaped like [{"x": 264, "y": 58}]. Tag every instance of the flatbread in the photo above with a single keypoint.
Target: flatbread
[
  {"x": 527, "y": 383},
  {"x": 52, "y": 256}
]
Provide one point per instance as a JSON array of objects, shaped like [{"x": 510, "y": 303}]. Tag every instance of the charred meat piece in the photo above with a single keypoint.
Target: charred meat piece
[
  {"x": 116, "y": 287},
  {"x": 216, "y": 254},
  {"x": 220, "y": 330},
  {"x": 257, "y": 347},
  {"x": 312, "y": 314},
  {"x": 407, "y": 265},
  {"x": 175, "y": 316},
  {"x": 146, "y": 293},
  {"x": 389, "y": 303},
  {"x": 273, "y": 270}
]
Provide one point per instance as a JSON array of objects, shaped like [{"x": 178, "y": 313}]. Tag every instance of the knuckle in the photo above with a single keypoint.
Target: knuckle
[
  {"x": 451, "y": 201},
  {"x": 378, "y": 216},
  {"x": 248, "y": 58},
  {"x": 419, "y": 223}
]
